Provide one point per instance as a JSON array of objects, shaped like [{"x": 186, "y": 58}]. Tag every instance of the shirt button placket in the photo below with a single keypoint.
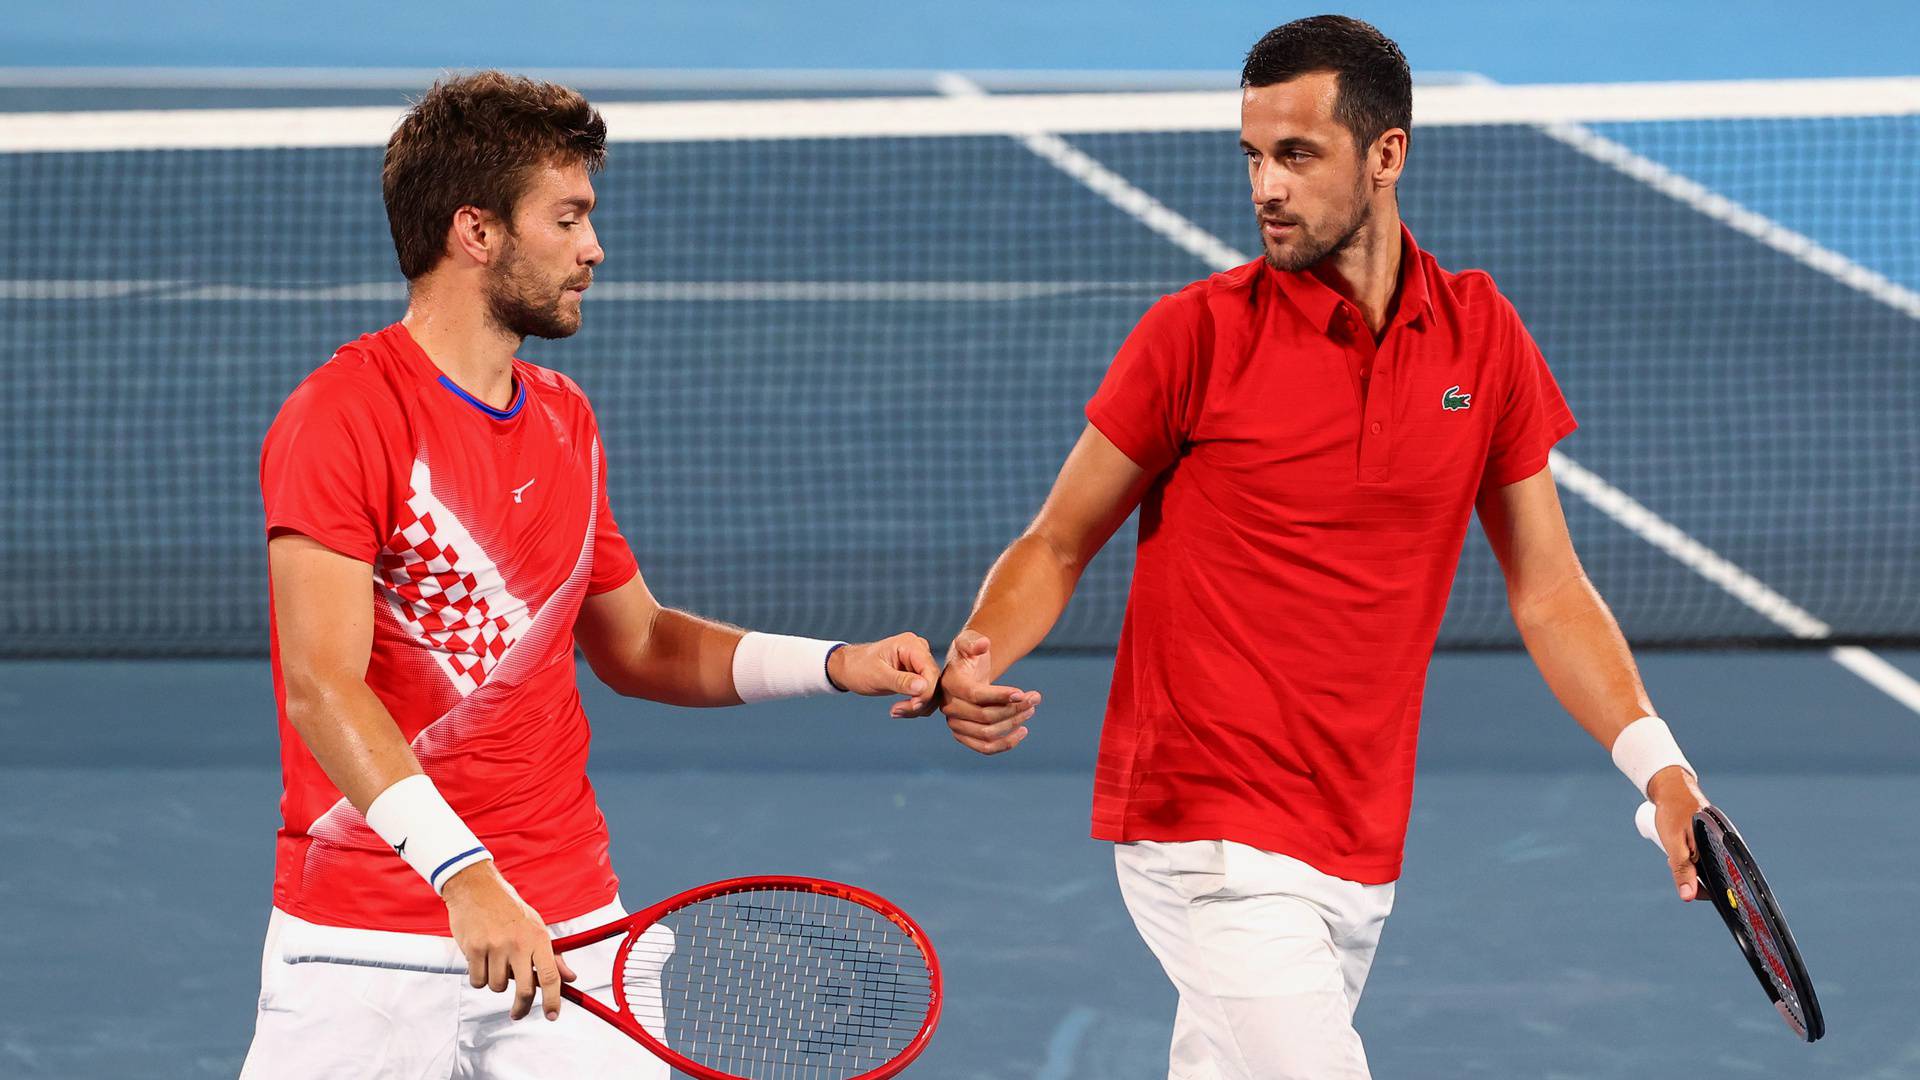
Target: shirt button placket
[{"x": 1376, "y": 440}]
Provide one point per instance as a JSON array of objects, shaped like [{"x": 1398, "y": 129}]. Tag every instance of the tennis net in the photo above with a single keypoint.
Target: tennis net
[{"x": 840, "y": 346}]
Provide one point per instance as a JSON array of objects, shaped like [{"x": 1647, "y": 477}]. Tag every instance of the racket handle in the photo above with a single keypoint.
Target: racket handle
[{"x": 1643, "y": 821}]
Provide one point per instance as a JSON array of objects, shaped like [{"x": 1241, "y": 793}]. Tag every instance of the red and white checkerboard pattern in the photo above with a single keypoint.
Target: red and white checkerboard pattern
[{"x": 446, "y": 591}]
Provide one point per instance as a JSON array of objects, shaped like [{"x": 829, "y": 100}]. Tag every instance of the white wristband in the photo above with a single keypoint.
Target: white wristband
[
  {"x": 769, "y": 666},
  {"x": 422, "y": 829},
  {"x": 1643, "y": 748}
]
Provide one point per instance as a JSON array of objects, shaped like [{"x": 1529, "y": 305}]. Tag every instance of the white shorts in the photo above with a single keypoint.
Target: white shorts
[
  {"x": 1269, "y": 956},
  {"x": 330, "y": 1021}
]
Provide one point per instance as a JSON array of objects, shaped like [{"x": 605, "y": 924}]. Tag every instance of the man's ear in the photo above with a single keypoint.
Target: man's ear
[
  {"x": 475, "y": 234},
  {"x": 1389, "y": 157}
]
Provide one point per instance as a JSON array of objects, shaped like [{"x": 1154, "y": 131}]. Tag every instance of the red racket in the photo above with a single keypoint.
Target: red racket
[{"x": 749, "y": 979}]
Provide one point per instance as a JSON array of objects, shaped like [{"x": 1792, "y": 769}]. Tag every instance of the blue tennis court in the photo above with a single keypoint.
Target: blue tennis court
[
  {"x": 774, "y": 310},
  {"x": 1534, "y": 934}
]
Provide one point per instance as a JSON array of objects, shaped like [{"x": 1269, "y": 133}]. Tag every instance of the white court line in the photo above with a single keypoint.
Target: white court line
[
  {"x": 1064, "y": 1045},
  {"x": 1609, "y": 500},
  {"x": 37, "y": 289},
  {"x": 78, "y": 288},
  {"x": 1865, "y": 663},
  {"x": 1632, "y": 515},
  {"x": 1695, "y": 196},
  {"x": 1870, "y": 666},
  {"x": 1111, "y": 186}
]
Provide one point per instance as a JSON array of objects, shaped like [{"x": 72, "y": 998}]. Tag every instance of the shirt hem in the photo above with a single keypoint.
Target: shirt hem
[
  {"x": 561, "y": 913},
  {"x": 632, "y": 572},
  {"x": 1533, "y": 463},
  {"x": 1121, "y": 440},
  {"x": 361, "y": 552},
  {"x": 1360, "y": 871}
]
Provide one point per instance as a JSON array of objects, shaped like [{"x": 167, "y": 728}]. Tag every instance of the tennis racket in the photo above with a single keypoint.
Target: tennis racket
[
  {"x": 1732, "y": 879},
  {"x": 747, "y": 979}
]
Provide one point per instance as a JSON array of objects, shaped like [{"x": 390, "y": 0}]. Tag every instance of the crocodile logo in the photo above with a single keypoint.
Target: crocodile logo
[{"x": 1455, "y": 401}]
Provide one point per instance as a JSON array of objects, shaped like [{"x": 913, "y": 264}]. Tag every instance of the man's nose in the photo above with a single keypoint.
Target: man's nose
[{"x": 1269, "y": 184}]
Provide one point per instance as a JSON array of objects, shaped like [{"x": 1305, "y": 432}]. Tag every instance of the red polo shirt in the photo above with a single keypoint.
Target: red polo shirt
[{"x": 1297, "y": 548}]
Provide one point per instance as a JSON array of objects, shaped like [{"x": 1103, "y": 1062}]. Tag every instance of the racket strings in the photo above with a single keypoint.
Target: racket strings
[
  {"x": 1749, "y": 910},
  {"x": 779, "y": 985}
]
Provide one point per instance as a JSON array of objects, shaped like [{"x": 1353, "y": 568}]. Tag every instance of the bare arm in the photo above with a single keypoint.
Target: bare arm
[
  {"x": 325, "y": 624},
  {"x": 1567, "y": 628},
  {"x": 1029, "y": 587},
  {"x": 1574, "y": 640},
  {"x": 324, "y": 619},
  {"x": 642, "y": 649},
  {"x": 1030, "y": 584}
]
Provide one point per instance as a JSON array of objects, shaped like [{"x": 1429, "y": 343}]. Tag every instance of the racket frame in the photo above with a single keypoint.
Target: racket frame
[
  {"x": 637, "y": 923},
  {"x": 1713, "y": 831}
]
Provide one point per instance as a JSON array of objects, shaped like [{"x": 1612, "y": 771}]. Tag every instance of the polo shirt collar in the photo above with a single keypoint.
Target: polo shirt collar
[
  {"x": 1415, "y": 298},
  {"x": 1320, "y": 303}
]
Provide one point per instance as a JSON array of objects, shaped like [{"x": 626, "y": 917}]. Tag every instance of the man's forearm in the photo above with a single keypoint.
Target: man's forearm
[
  {"x": 1584, "y": 658},
  {"x": 1022, "y": 598},
  {"x": 684, "y": 660},
  {"x": 360, "y": 748},
  {"x": 350, "y": 733}
]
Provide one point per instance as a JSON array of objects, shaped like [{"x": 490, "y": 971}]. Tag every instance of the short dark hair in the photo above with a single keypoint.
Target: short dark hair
[
  {"x": 1376, "y": 89},
  {"x": 476, "y": 140}
]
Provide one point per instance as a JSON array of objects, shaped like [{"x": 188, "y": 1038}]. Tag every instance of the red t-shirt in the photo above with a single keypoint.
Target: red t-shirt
[
  {"x": 483, "y": 531},
  {"x": 1297, "y": 547}
]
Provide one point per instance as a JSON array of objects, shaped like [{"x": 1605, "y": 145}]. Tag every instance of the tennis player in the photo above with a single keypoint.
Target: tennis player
[
  {"x": 1305, "y": 437},
  {"x": 439, "y": 539}
]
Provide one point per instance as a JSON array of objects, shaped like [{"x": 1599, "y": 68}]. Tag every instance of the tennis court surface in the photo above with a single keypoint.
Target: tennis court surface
[{"x": 1723, "y": 280}]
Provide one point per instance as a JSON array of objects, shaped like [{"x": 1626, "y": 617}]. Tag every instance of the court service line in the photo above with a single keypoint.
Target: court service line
[{"x": 1625, "y": 510}]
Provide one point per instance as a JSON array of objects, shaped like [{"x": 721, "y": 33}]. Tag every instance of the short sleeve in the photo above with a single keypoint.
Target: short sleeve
[
  {"x": 1533, "y": 417},
  {"x": 1146, "y": 404},
  {"x": 613, "y": 561},
  {"x": 324, "y": 472}
]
